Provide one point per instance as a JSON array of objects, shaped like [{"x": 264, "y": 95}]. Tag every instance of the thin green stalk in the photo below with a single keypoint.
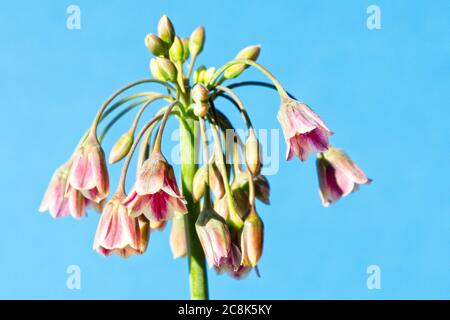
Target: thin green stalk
[
  {"x": 266, "y": 72},
  {"x": 197, "y": 266}
]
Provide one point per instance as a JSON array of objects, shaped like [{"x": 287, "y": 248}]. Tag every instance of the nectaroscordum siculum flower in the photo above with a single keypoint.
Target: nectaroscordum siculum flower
[{"x": 213, "y": 218}]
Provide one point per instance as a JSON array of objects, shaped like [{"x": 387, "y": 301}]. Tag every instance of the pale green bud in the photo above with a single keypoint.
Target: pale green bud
[
  {"x": 208, "y": 75},
  {"x": 166, "y": 31},
  {"x": 253, "y": 154},
  {"x": 185, "y": 42},
  {"x": 199, "y": 74},
  {"x": 155, "y": 45},
  {"x": 121, "y": 148},
  {"x": 196, "y": 41},
  {"x": 176, "y": 52},
  {"x": 248, "y": 53},
  {"x": 163, "y": 69}
]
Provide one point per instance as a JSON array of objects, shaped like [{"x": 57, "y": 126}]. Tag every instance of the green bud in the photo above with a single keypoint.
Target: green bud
[
  {"x": 121, "y": 148},
  {"x": 196, "y": 41},
  {"x": 155, "y": 45},
  {"x": 163, "y": 69},
  {"x": 165, "y": 30},
  {"x": 199, "y": 74},
  {"x": 248, "y": 53},
  {"x": 185, "y": 42},
  {"x": 253, "y": 154},
  {"x": 208, "y": 75},
  {"x": 176, "y": 52},
  {"x": 199, "y": 184}
]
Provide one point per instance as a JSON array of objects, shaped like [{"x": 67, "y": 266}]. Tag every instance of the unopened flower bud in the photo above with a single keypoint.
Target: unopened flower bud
[
  {"x": 199, "y": 184},
  {"x": 252, "y": 239},
  {"x": 165, "y": 30},
  {"x": 248, "y": 53},
  {"x": 178, "y": 242},
  {"x": 201, "y": 109},
  {"x": 185, "y": 42},
  {"x": 208, "y": 75},
  {"x": 200, "y": 93},
  {"x": 155, "y": 45},
  {"x": 253, "y": 154},
  {"x": 199, "y": 74},
  {"x": 163, "y": 69},
  {"x": 196, "y": 41},
  {"x": 121, "y": 148},
  {"x": 176, "y": 52},
  {"x": 216, "y": 181}
]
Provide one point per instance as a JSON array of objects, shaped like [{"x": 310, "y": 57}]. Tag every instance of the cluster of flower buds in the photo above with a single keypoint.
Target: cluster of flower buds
[{"x": 229, "y": 229}]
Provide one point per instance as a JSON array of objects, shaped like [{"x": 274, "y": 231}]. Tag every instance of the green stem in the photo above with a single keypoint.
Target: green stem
[
  {"x": 266, "y": 72},
  {"x": 197, "y": 267}
]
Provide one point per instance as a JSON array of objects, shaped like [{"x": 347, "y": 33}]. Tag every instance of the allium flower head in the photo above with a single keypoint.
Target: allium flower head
[
  {"x": 338, "y": 175},
  {"x": 303, "y": 130},
  {"x": 155, "y": 193},
  {"x": 88, "y": 173}
]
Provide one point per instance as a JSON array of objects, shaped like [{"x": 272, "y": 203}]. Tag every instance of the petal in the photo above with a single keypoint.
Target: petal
[
  {"x": 330, "y": 192},
  {"x": 100, "y": 172},
  {"x": 159, "y": 206},
  {"x": 103, "y": 227},
  {"x": 81, "y": 176},
  {"x": 77, "y": 203},
  {"x": 151, "y": 176},
  {"x": 345, "y": 164}
]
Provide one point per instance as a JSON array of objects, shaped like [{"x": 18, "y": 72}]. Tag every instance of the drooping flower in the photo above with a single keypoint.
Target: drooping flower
[
  {"x": 61, "y": 200},
  {"x": 214, "y": 235},
  {"x": 338, "y": 175},
  {"x": 88, "y": 173},
  {"x": 303, "y": 130},
  {"x": 54, "y": 200},
  {"x": 155, "y": 193},
  {"x": 119, "y": 233},
  {"x": 232, "y": 264}
]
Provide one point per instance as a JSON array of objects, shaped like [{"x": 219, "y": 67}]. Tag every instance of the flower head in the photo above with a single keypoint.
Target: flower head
[
  {"x": 119, "y": 233},
  {"x": 214, "y": 236},
  {"x": 88, "y": 173},
  {"x": 303, "y": 130},
  {"x": 155, "y": 193},
  {"x": 338, "y": 175}
]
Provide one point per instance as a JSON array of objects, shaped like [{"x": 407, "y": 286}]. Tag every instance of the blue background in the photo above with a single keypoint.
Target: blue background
[{"x": 385, "y": 93}]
